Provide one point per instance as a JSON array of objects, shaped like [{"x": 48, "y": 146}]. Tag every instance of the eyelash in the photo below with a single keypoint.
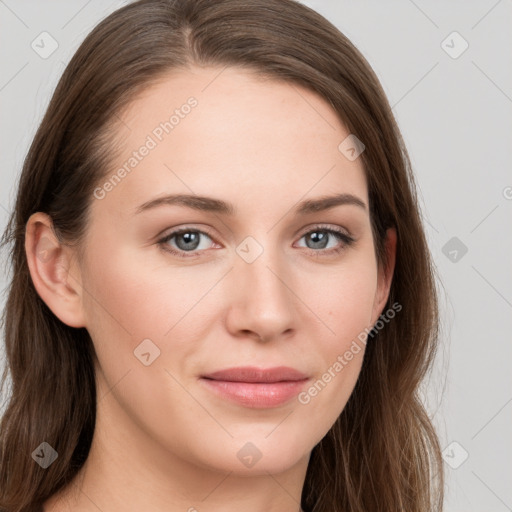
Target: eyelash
[{"x": 340, "y": 235}]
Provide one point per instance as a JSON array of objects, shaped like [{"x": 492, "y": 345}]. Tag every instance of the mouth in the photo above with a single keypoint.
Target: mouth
[{"x": 255, "y": 387}]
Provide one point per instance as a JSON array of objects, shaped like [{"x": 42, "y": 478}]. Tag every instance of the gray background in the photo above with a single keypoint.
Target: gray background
[{"x": 455, "y": 115}]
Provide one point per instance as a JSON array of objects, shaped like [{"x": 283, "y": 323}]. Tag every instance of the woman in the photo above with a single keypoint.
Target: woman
[{"x": 274, "y": 366}]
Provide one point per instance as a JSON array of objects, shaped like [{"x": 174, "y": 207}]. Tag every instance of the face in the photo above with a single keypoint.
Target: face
[{"x": 263, "y": 282}]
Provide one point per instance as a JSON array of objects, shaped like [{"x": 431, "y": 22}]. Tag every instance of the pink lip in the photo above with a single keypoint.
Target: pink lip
[{"x": 256, "y": 387}]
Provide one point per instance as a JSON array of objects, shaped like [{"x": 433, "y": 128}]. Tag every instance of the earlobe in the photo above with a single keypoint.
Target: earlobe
[
  {"x": 52, "y": 272},
  {"x": 385, "y": 275}
]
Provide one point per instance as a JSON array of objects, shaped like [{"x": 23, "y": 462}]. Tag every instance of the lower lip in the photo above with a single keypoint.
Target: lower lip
[{"x": 255, "y": 394}]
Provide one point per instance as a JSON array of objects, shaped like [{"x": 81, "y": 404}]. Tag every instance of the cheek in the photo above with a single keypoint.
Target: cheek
[
  {"x": 139, "y": 305},
  {"x": 347, "y": 300},
  {"x": 136, "y": 297},
  {"x": 347, "y": 306}
]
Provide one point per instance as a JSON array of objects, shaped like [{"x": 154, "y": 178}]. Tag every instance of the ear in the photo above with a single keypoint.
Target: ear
[
  {"x": 55, "y": 278},
  {"x": 385, "y": 275}
]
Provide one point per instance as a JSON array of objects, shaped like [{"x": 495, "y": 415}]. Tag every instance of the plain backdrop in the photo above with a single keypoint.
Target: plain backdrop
[{"x": 446, "y": 69}]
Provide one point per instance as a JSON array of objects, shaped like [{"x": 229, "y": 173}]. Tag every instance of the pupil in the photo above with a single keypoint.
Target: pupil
[
  {"x": 189, "y": 237},
  {"x": 318, "y": 237}
]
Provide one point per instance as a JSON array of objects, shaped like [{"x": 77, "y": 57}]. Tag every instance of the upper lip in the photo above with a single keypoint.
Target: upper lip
[{"x": 254, "y": 374}]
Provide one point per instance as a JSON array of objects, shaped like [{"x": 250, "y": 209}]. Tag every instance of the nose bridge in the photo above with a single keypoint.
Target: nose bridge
[
  {"x": 261, "y": 284},
  {"x": 259, "y": 262}
]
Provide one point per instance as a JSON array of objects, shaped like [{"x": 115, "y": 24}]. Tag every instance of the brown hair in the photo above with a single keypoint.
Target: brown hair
[{"x": 382, "y": 453}]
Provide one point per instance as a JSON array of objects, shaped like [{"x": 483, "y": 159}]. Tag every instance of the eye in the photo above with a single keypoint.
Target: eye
[
  {"x": 188, "y": 240},
  {"x": 320, "y": 235}
]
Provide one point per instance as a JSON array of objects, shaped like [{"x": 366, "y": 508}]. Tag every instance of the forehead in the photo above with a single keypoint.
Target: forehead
[{"x": 228, "y": 132}]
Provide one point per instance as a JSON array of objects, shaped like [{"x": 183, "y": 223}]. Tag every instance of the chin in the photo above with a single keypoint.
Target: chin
[{"x": 258, "y": 457}]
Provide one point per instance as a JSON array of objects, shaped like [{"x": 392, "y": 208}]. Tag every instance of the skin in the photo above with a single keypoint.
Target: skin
[{"x": 162, "y": 440}]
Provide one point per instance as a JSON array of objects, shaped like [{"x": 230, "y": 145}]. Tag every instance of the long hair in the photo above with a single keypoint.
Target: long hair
[{"x": 382, "y": 453}]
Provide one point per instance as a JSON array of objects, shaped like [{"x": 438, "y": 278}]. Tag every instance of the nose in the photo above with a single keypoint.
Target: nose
[{"x": 262, "y": 301}]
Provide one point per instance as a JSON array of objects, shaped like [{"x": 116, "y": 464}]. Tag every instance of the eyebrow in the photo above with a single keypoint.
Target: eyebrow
[{"x": 210, "y": 204}]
